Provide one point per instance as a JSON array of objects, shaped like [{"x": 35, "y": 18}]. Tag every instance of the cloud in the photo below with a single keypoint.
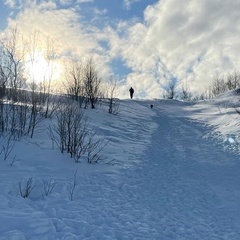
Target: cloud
[
  {"x": 71, "y": 37},
  {"x": 10, "y": 3},
  {"x": 128, "y": 3},
  {"x": 62, "y": 25},
  {"x": 85, "y": 1},
  {"x": 189, "y": 42}
]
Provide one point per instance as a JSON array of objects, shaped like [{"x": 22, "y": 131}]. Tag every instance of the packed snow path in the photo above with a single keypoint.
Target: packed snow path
[
  {"x": 189, "y": 184},
  {"x": 184, "y": 186},
  {"x": 187, "y": 187}
]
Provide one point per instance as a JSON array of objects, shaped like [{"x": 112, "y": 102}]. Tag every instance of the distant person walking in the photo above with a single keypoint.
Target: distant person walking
[{"x": 131, "y": 90}]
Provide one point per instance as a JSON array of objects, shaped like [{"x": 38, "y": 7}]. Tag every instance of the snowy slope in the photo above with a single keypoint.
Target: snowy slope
[{"x": 170, "y": 172}]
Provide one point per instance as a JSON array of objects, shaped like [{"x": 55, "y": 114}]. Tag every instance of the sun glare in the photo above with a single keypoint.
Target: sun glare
[{"x": 38, "y": 69}]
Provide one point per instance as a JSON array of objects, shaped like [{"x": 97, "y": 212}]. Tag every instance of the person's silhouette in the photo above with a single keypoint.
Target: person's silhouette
[{"x": 131, "y": 90}]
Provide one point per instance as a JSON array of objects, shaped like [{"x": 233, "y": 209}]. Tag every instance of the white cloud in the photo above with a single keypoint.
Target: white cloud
[
  {"x": 62, "y": 25},
  {"x": 100, "y": 12},
  {"x": 10, "y": 3},
  {"x": 190, "y": 41},
  {"x": 85, "y": 1},
  {"x": 65, "y": 2},
  {"x": 128, "y": 3},
  {"x": 70, "y": 36}
]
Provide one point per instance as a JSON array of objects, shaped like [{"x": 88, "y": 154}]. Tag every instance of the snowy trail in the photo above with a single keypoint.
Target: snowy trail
[
  {"x": 184, "y": 189},
  {"x": 181, "y": 191},
  {"x": 182, "y": 186},
  {"x": 189, "y": 185}
]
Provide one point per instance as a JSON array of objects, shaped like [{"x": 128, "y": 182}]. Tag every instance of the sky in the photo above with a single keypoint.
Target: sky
[
  {"x": 169, "y": 172},
  {"x": 146, "y": 44}
]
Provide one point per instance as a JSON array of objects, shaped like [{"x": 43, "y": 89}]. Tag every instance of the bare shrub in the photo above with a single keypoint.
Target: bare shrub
[
  {"x": 72, "y": 185},
  {"x": 113, "y": 104},
  {"x": 233, "y": 81},
  {"x": 94, "y": 148},
  {"x": 14, "y": 118},
  {"x": 48, "y": 186},
  {"x": 70, "y": 130},
  {"x": 219, "y": 85},
  {"x": 7, "y": 145},
  {"x": 170, "y": 92},
  {"x": 26, "y": 187},
  {"x": 185, "y": 94}
]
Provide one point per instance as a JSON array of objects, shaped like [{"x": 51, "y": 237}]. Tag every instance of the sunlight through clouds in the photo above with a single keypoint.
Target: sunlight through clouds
[{"x": 188, "y": 42}]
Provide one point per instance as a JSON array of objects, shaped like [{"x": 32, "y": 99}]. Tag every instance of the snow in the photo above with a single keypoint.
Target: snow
[{"x": 170, "y": 172}]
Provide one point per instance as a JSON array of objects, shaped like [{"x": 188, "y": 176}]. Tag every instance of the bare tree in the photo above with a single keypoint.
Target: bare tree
[
  {"x": 92, "y": 82},
  {"x": 170, "y": 91},
  {"x": 233, "y": 81},
  {"x": 3, "y": 79},
  {"x": 185, "y": 94},
  {"x": 111, "y": 88},
  {"x": 37, "y": 98},
  {"x": 219, "y": 85},
  {"x": 11, "y": 70},
  {"x": 74, "y": 80},
  {"x": 48, "y": 100},
  {"x": 35, "y": 116}
]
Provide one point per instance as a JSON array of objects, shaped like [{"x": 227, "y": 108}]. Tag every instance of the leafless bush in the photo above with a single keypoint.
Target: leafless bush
[
  {"x": 70, "y": 130},
  {"x": 233, "y": 80},
  {"x": 94, "y": 148},
  {"x": 110, "y": 92},
  {"x": 115, "y": 107},
  {"x": 26, "y": 187},
  {"x": 72, "y": 185},
  {"x": 222, "y": 84},
  {"x": 7, "y": 145},
  {"x": 49, "y": 103},
  {"x": 185, "y": 94},
  {"x": 170, "y": 92},
  {"x": 71, "y": 134},
  {"x": 14, "y": 119},
  {"x": 219, "y": 85},
  {"x": 48, "y": 186}
]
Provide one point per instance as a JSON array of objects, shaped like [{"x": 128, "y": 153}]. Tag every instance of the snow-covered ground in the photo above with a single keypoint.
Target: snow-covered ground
[{"x": 168, "y": 173}]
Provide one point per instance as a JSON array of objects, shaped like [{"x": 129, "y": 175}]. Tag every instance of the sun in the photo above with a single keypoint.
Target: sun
[{"x": 38, "y": 69}]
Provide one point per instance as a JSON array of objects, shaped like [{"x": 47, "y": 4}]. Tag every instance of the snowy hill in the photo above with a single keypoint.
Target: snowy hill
[{"x": 170, "y": 172}]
